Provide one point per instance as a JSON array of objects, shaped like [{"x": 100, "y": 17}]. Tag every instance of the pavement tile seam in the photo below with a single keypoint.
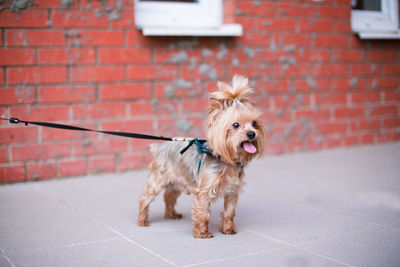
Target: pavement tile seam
[
  {"x": 300, "y": 248},
  {"x": 136, "y": 243},
  {"x": 7, "y": 260},
  {"x": 91, "y": 242}
]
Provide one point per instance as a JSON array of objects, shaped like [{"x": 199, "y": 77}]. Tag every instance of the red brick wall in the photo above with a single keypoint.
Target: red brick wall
[{"x": 83, "y": 63}]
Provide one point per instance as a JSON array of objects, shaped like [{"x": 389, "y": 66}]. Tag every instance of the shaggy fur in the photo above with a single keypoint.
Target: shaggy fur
[{"x": 235, "y": 136}]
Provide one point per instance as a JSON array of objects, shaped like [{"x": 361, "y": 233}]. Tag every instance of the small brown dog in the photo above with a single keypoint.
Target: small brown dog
[{"x": 212, "y": 169}]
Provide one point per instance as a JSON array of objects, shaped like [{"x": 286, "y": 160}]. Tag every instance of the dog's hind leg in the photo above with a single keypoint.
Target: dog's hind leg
[
  {"x": 170, "y": 196},
  {"x": 155, "y": 183}
]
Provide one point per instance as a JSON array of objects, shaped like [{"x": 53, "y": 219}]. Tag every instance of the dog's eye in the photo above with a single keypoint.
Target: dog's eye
[
  {"x": 236, "y": 125},
  {"x": 254, "y": 123}
]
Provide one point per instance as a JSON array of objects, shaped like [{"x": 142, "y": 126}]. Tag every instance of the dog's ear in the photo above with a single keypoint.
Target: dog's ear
[{"x": 215, "y": 105}]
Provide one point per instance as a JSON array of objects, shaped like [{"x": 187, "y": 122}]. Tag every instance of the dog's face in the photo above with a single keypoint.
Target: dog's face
[{"x": 235, "y": 131}]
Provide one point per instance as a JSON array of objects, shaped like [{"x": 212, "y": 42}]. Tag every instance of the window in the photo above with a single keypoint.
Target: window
[
  {"x": 377, "y": 18},
  {"x": 183, "y": 17}
]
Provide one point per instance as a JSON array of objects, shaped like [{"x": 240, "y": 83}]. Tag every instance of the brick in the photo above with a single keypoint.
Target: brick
[
  {"x": 331, "y": 99},
  {"x": 330, "y": 69},
  {"x": 97, "y": 147},
  {"x": 170, "y": 90},
  {"x": 333, "y": 142},
  {"x": 27, "y": 19},
  {"x": 36, "y": 75},
  {"x": 384, "y": 110},
  {"x": 382, "y": 55},
  {"x": 320, "y": 114},
  {"x": 35, "y": 38},
  {"x": 131, "y": 126},
  {"x": 391, "y": 123},
  {"x": 194, "y": 105},
  {"x": 367, "y": 139},
  {"x": 1, "y": 76},
  {"x": 125, "y": 91},
  {"x": 13, "y": 57},
  {"x": 348, "y": 55},
  {"x": 343, "y": 84},
  {"x": 331, "y": 127},
  {"x": 12, "y": 173},
  {"x": 98, "y": 111},
  {"x": 250, "y": 8},
  {"x": 350, "y": 140},
  {"x": 41, "y": 170},
  {"x": 126, "y": 20},
  {"x": 320, "y": 55},
  {"x": 18, "y": 135},
  {"x": 255, "y": 39},
  {"x": 311, "y": 84},
  {"x": 392, "y": 95},
  {"x": 278, "y": 24},
  {"x": 131, "y": 162},
  {"x": 66, "y": 94},
  {"x": 151, "y": 72},
  {"x": 17, "y": 95},
  {"x": 365, "y": 97},
  {"x": 342, "y": 113},
  {"x": 71, "y": 168},
  {"x": 67, "y": 56},
  {"x": 101, "y": 165},
  {"x": 39, "y": 151},
  {"x": 101, "y": 37},
  {"x": 296, "y": 39},
  {"x": 3, "y": 154},
  {"x": 46, "y": 4},
  {"x": 361, "y": 125},
  {"x": 384, "y": 82},
  {"x": 124, "y": 55},
  {"x": 142, "y": 108},
  {"x": 316, "y": 25},
  {"x": 365, "y": 69},
  {"x": 286, "y": 70},
  {"x": 391, "y": 68},
  {"x": 97, "y": 73},
  {"x": 296, "y": 10},
  {"x": 336, "y": 12},
  {"x": 40, "y": 113},
  {"x": 291, "y": 100},
  {"x": 77, "y": 19},
  {"x": 330, "y": 41}
]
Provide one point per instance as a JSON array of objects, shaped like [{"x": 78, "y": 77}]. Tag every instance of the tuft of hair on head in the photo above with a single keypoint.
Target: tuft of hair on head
[{"x": 239, "y": 89}]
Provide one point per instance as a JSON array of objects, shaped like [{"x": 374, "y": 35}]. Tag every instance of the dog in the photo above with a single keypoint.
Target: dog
[{"x": 215, "y": 168}]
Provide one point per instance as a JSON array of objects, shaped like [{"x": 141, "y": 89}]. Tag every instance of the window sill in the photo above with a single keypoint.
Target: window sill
[
  {"x": 224, "y": 30},
  {"x": 379, "y": 35}
]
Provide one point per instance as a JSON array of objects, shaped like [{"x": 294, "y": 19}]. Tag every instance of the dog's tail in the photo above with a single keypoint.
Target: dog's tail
[{"x": 239, "y": 88}]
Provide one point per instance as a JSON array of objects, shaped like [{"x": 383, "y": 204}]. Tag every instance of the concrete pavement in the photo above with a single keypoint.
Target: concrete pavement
[{"x": 328, "y": 208}]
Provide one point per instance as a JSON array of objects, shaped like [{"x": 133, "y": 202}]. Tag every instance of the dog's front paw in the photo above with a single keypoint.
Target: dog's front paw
[
  {"x": 228, "y": 228},
  {"x": 143, "y": 222},
  {"x": 229, "y": 231},
  {"x": 203, "y": 235}
]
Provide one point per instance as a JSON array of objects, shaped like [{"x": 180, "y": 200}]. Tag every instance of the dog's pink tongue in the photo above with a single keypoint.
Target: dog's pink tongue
[{"x": 249, "y": 147}]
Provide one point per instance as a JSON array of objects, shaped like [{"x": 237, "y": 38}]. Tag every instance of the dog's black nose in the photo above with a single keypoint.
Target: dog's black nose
[{"x": 251, "y": 135}]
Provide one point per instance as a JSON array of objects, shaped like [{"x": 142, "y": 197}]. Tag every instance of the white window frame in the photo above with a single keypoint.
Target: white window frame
[
  {"x": 204, "y": 18},
  {"x": 203, "y": 14},
  {"x": 384, "y": 21}
]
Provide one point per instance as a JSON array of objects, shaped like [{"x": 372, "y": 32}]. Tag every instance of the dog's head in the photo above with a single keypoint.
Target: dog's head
[{"x": 235, "y": 131}]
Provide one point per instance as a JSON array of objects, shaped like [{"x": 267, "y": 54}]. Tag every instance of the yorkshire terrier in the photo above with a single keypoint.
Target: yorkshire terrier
[{"x": 215, "y": 168}]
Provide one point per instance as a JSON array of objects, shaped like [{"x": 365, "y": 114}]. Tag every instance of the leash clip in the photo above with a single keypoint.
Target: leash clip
[{"x": 14, "y": 120}]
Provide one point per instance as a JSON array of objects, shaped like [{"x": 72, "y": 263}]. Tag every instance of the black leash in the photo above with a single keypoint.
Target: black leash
[{"x": 69, "y": 127}]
